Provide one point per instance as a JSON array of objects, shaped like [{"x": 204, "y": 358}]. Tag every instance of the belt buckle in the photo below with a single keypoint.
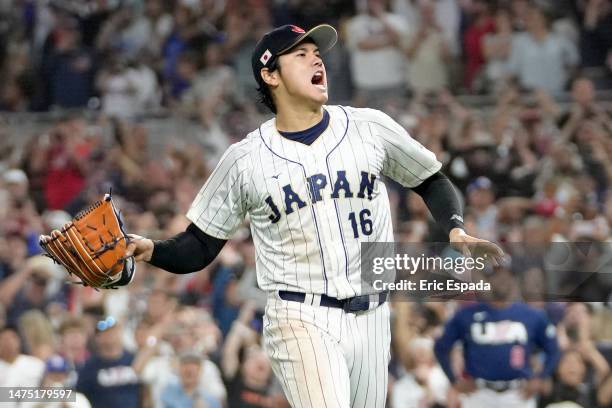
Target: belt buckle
[
  {"x": 499, "y": 386},
  {"x": 357, "y": 304}
]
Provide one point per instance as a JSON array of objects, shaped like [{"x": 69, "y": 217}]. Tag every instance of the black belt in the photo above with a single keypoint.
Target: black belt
[{"x": 350, "y": 305}]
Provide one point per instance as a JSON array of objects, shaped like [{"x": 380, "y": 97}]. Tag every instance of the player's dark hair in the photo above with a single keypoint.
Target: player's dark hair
[{"x": 265, "y": 95}]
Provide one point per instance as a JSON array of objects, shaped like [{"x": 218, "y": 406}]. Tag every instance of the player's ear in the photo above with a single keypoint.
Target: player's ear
[{"x": 270, "y": 77}]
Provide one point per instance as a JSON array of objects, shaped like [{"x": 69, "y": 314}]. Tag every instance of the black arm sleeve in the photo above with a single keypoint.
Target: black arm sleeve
[
  {"x": 189, "y": 251},
  {"x": 442, "y": 200}
]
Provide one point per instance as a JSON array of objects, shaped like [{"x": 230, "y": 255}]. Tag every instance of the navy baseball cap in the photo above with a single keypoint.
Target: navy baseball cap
[
  {"x": 282, "y": 39},
  {"x": 481, "y": 182}
]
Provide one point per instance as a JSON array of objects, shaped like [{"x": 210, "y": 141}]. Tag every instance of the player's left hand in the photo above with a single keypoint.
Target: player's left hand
[
  {"x": 140, "y": 248},
  {"x": 532, "y": 388},
  {"x": 474, "y": 247}
]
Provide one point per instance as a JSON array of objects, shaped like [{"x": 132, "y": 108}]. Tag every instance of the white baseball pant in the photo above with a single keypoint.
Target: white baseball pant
[
  {"x": 325, "y": 357},
  {"x": 485, "y": 398}
]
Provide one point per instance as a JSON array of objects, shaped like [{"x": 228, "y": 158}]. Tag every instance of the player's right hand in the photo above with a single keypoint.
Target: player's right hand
[
  {"x": 140, "y": 248},
  {"x": 474, "y": 247}
]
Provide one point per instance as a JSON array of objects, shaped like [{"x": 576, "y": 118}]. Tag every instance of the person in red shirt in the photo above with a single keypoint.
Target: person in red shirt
[
  {"x": 66, "y": 163},
  {"x": 482, "y": 24}
]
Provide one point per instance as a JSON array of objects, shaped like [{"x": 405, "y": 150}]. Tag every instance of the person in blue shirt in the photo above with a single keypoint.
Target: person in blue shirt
[
  {"x": 107, "y": 378},
  {"x": 187, "y": 391},
  {"x": 499, "y": 337}
]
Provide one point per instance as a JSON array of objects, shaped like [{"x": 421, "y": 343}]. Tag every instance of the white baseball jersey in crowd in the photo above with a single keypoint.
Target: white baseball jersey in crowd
[{"x": 310, "y": 207}]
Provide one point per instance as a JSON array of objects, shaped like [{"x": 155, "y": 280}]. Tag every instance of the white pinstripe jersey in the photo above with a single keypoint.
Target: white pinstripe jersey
[{"x": 310, "y": 206}]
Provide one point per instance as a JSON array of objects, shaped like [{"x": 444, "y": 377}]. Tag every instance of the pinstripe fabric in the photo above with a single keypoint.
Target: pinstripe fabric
[
  {"x": 326, "y": 357},
  {"x": 313, "y": 245},
  {"x": 310, "y": 207}
]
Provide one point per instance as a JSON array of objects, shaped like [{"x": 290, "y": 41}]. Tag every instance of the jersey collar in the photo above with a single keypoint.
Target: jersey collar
[{"x": 296, "y": 151}]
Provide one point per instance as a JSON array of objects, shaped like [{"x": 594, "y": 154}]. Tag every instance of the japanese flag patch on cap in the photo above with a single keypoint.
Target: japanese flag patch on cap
[{"x": 265, "y": 57}]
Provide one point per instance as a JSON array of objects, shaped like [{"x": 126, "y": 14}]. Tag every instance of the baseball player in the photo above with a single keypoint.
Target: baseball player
[
  {"x": 498, "y": 338},
  {"x": 309, "y": 181}
]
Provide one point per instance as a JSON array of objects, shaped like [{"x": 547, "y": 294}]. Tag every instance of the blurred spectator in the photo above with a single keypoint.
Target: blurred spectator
[
  {"x": 520, "y": 11},
  {"x": 428, "y": 53},
  {"x": 130, "y": 32},
  {"x": 213, "y": 90},
  {"x": 186, "y": 33},
  {"x": 67, "y": 151},
  {"x": 596, "y": 31},
  {"x": 91, "y": 21},
  {"x": 482, "y": 24},
  {"x": 68, "y": 71},
  {"x": 254, "y": 385},
  {"x": 127, "y": 90},
  {"x": 16, "y": 183},
  {"x": 57, "y": 375},
  {"x": 582, "y": 367},
  {"x": 117, "y": 85},
  {"x": 17, "y": 369},
  {"x": 225, "y": 296},
  {"x": 372, "y": 36},
  {"x": 159, "y": 303},
  {"x": 604, "y": 393},
  {"x": 425, "y": 384},
  {"x": 27, "y": 289},
  {"x": 247, "y": 286},
  {"x": 37, "y": 332},
  {"x": 447, "y": 15},
  {"x": 583, "y": 108},
  {"x": 19, "y": 75},
  {"x": 496, "y": 47},
  {"x": 187, "y": 67},
  {"x": 481, "y": 199},
  {"x": 244, "y": 27},
  {"x": 541, "y": 59},
  {"x": 73, "y": 341},
  {"x": 107, "y": 378},
  {"x": 188, "y": 391},
  {"x": 571, "y": 382},
  {"x": 246, "y": 369},
  {"x": 171, "y": 335}
]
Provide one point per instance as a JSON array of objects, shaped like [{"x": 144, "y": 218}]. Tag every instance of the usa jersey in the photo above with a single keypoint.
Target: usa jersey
[
  {"x": 498, "y": 342},
  {"x": 310, "y": 206}
]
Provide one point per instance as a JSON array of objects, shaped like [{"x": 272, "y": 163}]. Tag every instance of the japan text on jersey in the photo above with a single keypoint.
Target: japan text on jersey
[{"x": 310, "y": 206}]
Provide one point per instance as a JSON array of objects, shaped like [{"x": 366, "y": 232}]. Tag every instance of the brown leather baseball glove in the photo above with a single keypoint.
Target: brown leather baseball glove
[{"x": 93, "y": 247}]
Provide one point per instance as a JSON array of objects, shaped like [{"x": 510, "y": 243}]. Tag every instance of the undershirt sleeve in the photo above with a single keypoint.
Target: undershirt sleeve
[
  {"x": 442, "y": 200},
  {"x": 189, "y": 251}
]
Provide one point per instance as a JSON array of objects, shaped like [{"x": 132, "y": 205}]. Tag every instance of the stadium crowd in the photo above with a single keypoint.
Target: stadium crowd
[{"x": 534, "y": 167}]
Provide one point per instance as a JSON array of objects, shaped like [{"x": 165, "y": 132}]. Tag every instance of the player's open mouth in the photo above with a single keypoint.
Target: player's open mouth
[{"x": 318, "y": 79}]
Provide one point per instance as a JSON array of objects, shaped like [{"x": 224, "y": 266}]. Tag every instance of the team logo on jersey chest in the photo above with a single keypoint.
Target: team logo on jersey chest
[
  {"x": 502, "y": 332},
  {"x": 316, "y": 185}
]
